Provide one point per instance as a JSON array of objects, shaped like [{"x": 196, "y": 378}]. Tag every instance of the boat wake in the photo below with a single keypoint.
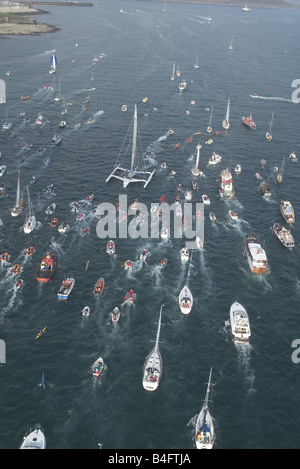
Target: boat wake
[
  {"x": 244, "y": 358},
  {"x": 273, "y": 98}
]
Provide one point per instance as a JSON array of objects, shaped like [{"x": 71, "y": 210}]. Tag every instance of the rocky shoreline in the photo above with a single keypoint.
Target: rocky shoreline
[{"x": 15, "y": 22}]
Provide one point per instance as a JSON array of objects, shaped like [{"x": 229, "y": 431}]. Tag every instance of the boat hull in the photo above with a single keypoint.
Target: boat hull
[
  {"x": 239, "y": 322},
  {"x": 256, "y": 256}
]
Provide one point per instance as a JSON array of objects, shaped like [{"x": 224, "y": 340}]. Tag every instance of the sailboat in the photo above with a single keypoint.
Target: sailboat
[
  {"x": 153, "y": 366},
  {"x": 18, "y": 208},
  {"x": 269, "y": 134},
  {"x": 53, "y": 63},
  {"x": 231, "y": 44},
  {"x": 245, "y": 8},
  {"x": 6, "y": 125},
  {"x": 196, "y": 65},
  {"x": 30, "y": 221},
  {"x": 204, "y": 431},
  {"x": 280, "y": 172},
  {"x": 225, "y": 123},
  {"x": 185, "y": 296},
  {"x": 195, "y": 170},
  {"x": 134, "y": 174},
  {"x": 173, "y": 73},
  {"x": 209, "y": 127},
  {"x": 58, "y": 96}
]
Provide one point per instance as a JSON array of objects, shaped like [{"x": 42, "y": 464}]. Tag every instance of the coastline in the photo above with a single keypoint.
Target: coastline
[{"x": 32, "y": 29}]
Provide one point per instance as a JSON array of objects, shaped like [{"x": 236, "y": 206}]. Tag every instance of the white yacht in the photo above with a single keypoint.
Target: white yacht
[
  {"x": 153, "y": 366},
  {"x": 34, "y": 438},
  {"x": 239, "y": 321},
  {"x": 185, "y": 300},
  {"x": 184, "y": 254},
  {"x": 204, "y": 431}
]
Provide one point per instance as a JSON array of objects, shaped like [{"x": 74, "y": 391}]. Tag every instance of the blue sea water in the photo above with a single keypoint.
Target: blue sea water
[{"x": 255, "y": 389}]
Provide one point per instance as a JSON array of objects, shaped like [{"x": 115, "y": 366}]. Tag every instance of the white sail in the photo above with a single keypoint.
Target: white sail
[
  {"x": 225, "y": 123},
  {"x": 53, "y": 63},
  {"x": 17, "y": 209}
]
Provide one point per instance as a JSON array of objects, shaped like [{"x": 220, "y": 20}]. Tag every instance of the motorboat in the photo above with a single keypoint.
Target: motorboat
[
  {"x": 144, "y": 255},
  {"x": 98, "y": 367},
  {"x": 184, "y": 254},
  {"x": 99, "y": 286},
  {"x": 30, "y": 220},
  {"x": 2, "y": 190},
  {"x": 212, "y": 216},
  {"x": 205, "y": 199},
  {"x": 238, "y": 169},
  {"x": 54, "y": 222},
  {"x": 62, "y": 228},
  {"x": 34, "y": 438},
  {"x": 86, "y": 311},
  {"x": 29, "y": 251},
  {"x": 233, "y": 215},
  {"x": 130, "y": 297},
  {"x": 265, "y": 189},
  {"x": 287, "y": 211},
  {"x": 182, "y": 85},
  {"x": 2, "y": 169},
  {"x": 66, "y": 288},
  {"x": 19, "y": 284},
  {"x": 204, "y": 429},
  {"x": 85, "y": 231},
  {"x": 269, "y": 132},
  {"x": 239, "y": 321},
  {"x": 40, "y": 119},
  {"x": 226, "y": 189},
  {"x": 164, "y": 233},
  {"x": 153, "y": 366},
  {"x": 215, "y": 158},
  {"x": 199, "y": 243},
  {"x": 110, "y": 247},
  {"x": 15, "y": 269},
  {"x": 124, "y": 108},
  {"x": 50, "y": 209},
  {"x": 249, "y": 122},
  {"x": 185, "y": 300},
  {"x": 293, "y": 157},
  {"x": 256, "y": 255},
  {"x": 127, "y": 264},
  {"x": 188, "y": 195},
  {"x": 46, "y": 268},
  {"x": 163, "y": 263},
  {"x": 62, "y": 124},
  {"x": 284, "y": 235},
  {"x": 115, "y": 315},
  {"x": 4, "y": 257}
]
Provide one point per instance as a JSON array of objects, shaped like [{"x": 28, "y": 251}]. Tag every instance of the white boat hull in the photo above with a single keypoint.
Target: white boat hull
[
  {"x": 239, "y": 321},
  {"x": 34, "y": 439},
  {"x": 185, "y": 300},
  {"x": 152, "y": 371}
]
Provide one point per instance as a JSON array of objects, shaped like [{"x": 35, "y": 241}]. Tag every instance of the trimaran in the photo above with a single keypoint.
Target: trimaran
[{"x": 134, "y": 174}]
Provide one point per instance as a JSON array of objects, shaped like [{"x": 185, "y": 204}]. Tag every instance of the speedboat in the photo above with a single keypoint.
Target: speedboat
[
  {"x": 199, "y": 243},
  {"x": 127, "y": 264},
  {"x": 29, "y": 251},
  {"x": 188, "y": 195},
  {"x": 182, "y": 85},
  {"x": 46, "y": 268},
  {"x": 152, "y": 369},
  {"x": 19, "y": 283},
  {"x": 4, "y": 257},
  {"x": 86, "y": 311},
  {"x": 293, "y": 157},
  {"x": 238, "y": 169},
  {"x": 239, "y": 321},
  {"x": 287, "y": 211},
  {"x": 256, "y": 255},
  {"x": 130, "y": 297},
  {"x": 66, "y": 288},
  {"x": 265, "y": 189},
  {"x": 144, "y": 254},
  {"x": 184, "y": 254},
  {"x": 212, "y": 216},
  {"x": 215, "y": 158},
  {"x": 163, "y": 262},
  {"x": 115, "y": 315},
  {"x": 51, "y": 209},
  {"x": 62, "y": 228},
  {"x": 233, "y": 215},
  {"x": 110, "y": 247},
  {"x": 185, "y": 300},
  {"x": 284, "y": 235},
  {"x": 34, "y": 438},
  {"x": 99, "y": 286},
  {"x": 15, "y": 269},
  {"x": 98, "y": 367},
  {"x": 249, "y": 122},
  {"x": 124, "y": 108},
  {"x": 204, "y": 429},
  {"x": 205, "y": 199}
]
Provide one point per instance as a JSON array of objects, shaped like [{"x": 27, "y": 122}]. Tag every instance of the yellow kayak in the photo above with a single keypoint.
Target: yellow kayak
[{"x": 41, "y": 332}]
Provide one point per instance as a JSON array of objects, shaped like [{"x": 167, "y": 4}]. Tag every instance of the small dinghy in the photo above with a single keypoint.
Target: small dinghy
[
  {"x": 115, "y": 315},
  {"x": 86, "y": 311}
]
